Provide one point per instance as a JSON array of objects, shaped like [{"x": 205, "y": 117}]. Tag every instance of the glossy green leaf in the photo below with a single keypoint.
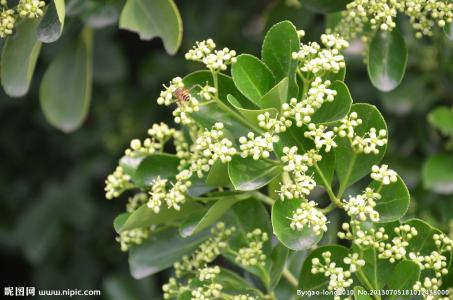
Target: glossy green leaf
[
  {"x": 200, "y": 221},
  {"x": 282, "y": 211},
  {"x": 338, "y": 108},
  {"x": 278, "y": 45},
  {"x": 252, "y": 77},
  {"x": 72, "y": 69},
  {"x": 375, "y": 271},
  {"x": 404, "y": 276},
  {"x": 248, "y": 174},
  {"x": 218, "y": 175},
  {"x": 442, "y": 119},
  {"x": 19, "y": 56},
  {"x": 350, "y": 166},
  {"x": 145, "y": 216},
  {"x": 318, "y": 282},
  {"x": 130, "y": 164},
  {"x": 156, "y": 165},
  {"x": 423, "y": 242},
  {"x": 394, "y": 202},
  {"x": 276, "y": 96},
  {"x": 150, "y": 19},
  {"x": 51, "y": 26},
  {"x": 278, "y": 260},
  {"x": 437, "y": 173},
  {"x": 250, "y": 114},
  {"x": 234, "y": 284},
  {"x": 161, "y": 251},
  {"x": 387, "y": 60},
  {"x": 326, "y": 6}
]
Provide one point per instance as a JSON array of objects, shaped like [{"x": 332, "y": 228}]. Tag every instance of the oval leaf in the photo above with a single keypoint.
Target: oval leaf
[
  {"x": 387, "y": 60},
  {"x": 338, "y": 108},
  {"x": 51, "y": 26},
  {"x": 161, "y": 251},
  {"x": 437, "y": 173},
  {"x": 252, "y": 77},
  {"x": 150, "y": 19},
  {"x": 278, "y": 45},
  {"x": 156, "y": 165},
  {"x": 19, "y": 57},
  {"x": 65, "y": 91},
  {"x": 248, "y": 174},
  {"x": 293, "y": 239},
  {"x": 404, "y": 276},
  {"x": 276, "y": 96},
  {"x": 442, "y": 119},
  {"x": 394, "y": 202}
]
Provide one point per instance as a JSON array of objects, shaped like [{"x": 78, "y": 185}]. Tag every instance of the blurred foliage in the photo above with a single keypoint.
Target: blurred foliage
[{"x": 55, "y": 227}]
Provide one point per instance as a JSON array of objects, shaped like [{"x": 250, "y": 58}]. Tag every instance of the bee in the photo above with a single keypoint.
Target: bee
[{"x": 182, "y": 95}]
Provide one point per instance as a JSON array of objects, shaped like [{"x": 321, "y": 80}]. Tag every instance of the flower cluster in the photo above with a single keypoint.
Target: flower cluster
[
  {"x": 257, "y": 147},
  {"x": 339, "y": 279},
  {"x": 215, "y": 60},
  {"x": 30, "y": 9},
  {"x": 301, "y": 112},
  {"x": 381, "y": 14},
  {"x": 383, "y": 174},
  {"x": 253, "y": 255},
  {"x": 307, "y": 215},
  {"x": 157, "y": 194},
  {"x": 209, "y": 147},
  {"x": 132, "y": 237},
  {"x": 361, "y": 207},
  {"x": 396, "y": 250},
  {"x": 321, "y": 137},
  {"x": 116, "y": 183},
  {"x": 316, "y": 60},
  {"x": 210, "y": 289},
  {"x": 276, "y": 124},
  {"x": 368, "y": 143}
]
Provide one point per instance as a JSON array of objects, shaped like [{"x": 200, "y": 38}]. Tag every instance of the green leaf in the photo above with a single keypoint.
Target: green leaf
[
  {"x": 51, "y": 26},
  {"x": 248, "y": 174},
  {"x": 69, "y": 74},
  {"x": 200, "y": 221},
  {"x": 130, "y": 164},
  {"x": 361, "y": 294},
  {"x": 350, "y": 166},
  {"x": 156, "y": 165},
  {"x": 250, "y": 114},
  {"x": 252, "y": 77},
  {"x": 218, "y": 175},
  {"x": 150, "y": 19},
  {"x": 404, "y": 276},
  {"x": 437, "y": 173},
  {"x": 375, "y": 271},
  {"x": 338, "y": 108},
  {"x": 278, "y": 260},
  {"x": 387, "y": 60},
  {"x": 326, "y": 6},
  {"x": 318, "y": 282},
  {"x": 394, "y": 202},
  {"x": 276, "y": 96},
  {"x": 234, "y": 284},
  {"x": 145, "y": 216},
  {"x": 19, "y": 56},
  {"x": 161, "y": 251},
  {"x": 423, "y": 242},
  {"x": 278, "y": 45},
  {"x": 442, "y": 119},
  {"x": 293, "y": 239}
]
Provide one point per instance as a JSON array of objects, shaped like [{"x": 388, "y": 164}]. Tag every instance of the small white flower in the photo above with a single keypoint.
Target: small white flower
[
  {"x": 257, "y": 147},
  {"x": 383, "y": 174},
  {"x": 307, "y": 215}
]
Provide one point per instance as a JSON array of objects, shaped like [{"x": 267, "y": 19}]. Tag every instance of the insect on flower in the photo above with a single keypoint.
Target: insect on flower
[{"x": 182, "y": 95}]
